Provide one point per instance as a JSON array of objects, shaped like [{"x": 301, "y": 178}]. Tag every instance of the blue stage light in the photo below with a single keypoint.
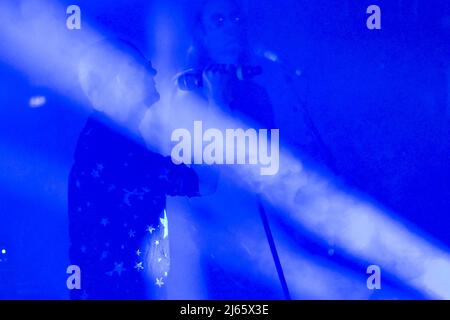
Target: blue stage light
[{"x": 359, "y": 228}]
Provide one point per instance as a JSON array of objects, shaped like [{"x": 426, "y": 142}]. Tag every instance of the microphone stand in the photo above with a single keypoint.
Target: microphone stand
[{"x": 273, "y": 249}]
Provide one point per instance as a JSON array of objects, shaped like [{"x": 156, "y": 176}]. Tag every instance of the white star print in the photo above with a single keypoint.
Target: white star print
[
  {"x": 126, "y": 198},
  {"x": 138, "y": 252},
  {"x": 118, "y": 267},
  {"x": 150, "y": 229},
  {"x": 139, "y": 266},
  {"x": 128, "y": 194},
  {"x": 131, "y": 233},
  {"x": 95, "y": 173},
  {"x": 157, "y": 242},
  {"x": 165, "y": 224},
  {"x": 104, "y": 255},
  {"x": 159, "y": 282}
]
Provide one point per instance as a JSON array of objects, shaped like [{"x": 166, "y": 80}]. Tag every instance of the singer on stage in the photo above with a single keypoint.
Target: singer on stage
[
  {"x": 216, "y": 60},
  {"x": 117, "y": 188},
  {"x": 222, "y": 73}
]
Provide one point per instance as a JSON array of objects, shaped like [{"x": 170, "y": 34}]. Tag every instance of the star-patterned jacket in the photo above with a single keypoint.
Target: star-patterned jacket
[{"x": 117, "y": 219}]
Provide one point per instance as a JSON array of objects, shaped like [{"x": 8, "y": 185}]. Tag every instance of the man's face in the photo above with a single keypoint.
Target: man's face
[
  {"x": 223, "y": 32},
  {"x": 136, "y": 82}
]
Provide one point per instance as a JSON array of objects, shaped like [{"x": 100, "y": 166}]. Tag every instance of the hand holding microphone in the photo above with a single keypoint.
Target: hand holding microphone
[
  {"x": 216, "y": 80},
  {"x": 193, "y": 79}
]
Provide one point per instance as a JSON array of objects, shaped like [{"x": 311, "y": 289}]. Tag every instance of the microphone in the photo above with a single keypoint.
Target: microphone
[{"x": 193, "y": 79}]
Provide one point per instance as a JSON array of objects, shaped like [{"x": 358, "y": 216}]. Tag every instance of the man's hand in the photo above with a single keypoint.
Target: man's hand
[{"x": 217, "y": 80}]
